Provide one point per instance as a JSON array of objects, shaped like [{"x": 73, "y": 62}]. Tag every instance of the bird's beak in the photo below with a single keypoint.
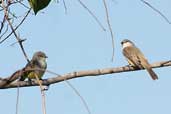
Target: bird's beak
[{"x": 46, "y": 56}]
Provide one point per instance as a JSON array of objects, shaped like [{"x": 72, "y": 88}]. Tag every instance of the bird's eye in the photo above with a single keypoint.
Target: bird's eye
[{"x": 40, "y": 56}]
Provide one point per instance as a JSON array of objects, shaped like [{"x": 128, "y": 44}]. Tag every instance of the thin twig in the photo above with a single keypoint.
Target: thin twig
[
  {"x": 156, "y": 10},
  {"x": 6, "y": 30},
  {"x": 65, "y": 6},
  {"x": 18, "y": 94},
  {"x": 110, "y": 28},
  {"x": 77, "y": 93},
  {"x": 22, "y": 40},
  {"x": 17, "y": 100},
  {"x": 42, "y": 93},
  {"x": 23, "y": 4},
  {"x": 92, "y": 14},
  {"x": 2, "y": 24}
]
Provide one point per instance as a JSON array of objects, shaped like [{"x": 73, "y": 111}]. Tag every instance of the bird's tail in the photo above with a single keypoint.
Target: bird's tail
[
  {"x": 11, "y": 78},
  {"x": 147, "y": 66},
  {"x": 152, "y": 73}
]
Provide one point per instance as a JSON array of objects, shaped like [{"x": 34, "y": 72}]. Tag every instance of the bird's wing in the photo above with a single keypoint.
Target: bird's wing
[
  {"x": 131, "y": 54},
  {"x": 26, "y": 70}
]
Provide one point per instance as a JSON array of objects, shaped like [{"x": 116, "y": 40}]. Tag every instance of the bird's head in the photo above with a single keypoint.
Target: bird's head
[
  {"x": 39, "y": 56},
  {"x": 126, "y": 43}
]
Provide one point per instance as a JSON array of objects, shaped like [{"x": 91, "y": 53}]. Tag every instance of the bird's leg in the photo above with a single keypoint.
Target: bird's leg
[{"x": 29, "y": 80}]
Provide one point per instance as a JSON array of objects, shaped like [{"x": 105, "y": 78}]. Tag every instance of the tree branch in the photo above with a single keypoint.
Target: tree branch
[
  {"x": 96, "y": 72},
  {"x": 156, "y": 10}
]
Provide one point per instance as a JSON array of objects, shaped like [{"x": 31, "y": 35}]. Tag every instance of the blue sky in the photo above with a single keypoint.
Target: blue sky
[{"x": 75, "y": 42}]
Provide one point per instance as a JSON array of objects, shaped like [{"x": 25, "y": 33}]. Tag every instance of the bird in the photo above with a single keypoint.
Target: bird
[
  {"x": 36, "y": 67},
  {"x": 136, "y": 58}
]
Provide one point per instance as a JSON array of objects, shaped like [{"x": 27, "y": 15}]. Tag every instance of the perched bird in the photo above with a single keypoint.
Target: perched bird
[
  {"x": 136, "y": 58},
  {"x": 36, "y": 66}
]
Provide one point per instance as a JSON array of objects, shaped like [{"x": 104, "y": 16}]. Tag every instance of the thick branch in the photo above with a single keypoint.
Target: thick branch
[{"x": 96, "y": 72}]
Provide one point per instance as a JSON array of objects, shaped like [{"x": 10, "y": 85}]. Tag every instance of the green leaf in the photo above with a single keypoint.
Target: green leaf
[{"x": 38, "y": 5}]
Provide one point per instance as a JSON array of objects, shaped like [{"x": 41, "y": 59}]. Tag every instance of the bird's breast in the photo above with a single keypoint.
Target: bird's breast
[{"x": 42, "y": 63}]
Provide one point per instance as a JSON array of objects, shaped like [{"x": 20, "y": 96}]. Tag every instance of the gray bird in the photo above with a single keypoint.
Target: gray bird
[
  {"x": 36, "y": 67},
  {"x": 38, "y": 61}
]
